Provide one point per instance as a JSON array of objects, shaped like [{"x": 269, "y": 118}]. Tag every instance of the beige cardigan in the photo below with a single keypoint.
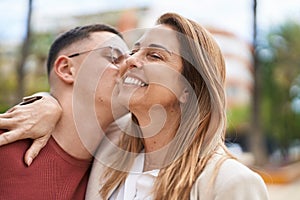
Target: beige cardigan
[{"x": 234, "y": 181}]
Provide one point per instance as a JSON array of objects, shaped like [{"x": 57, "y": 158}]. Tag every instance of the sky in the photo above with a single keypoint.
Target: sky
[{"x": 233, "y": 15}]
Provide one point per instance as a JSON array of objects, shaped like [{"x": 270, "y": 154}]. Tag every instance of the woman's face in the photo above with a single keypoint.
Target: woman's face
[{"x": 152, "y": 73}]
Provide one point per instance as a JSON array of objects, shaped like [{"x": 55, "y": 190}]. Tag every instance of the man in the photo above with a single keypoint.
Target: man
[{"x": 82, "y": 68}]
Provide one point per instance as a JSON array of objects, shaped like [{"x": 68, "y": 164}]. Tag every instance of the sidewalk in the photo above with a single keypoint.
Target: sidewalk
[
  {"x": 283, "y": 183},
  {"x": 287, "y": 191}
]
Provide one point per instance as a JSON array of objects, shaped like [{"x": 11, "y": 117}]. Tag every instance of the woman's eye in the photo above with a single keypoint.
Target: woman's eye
[{"x": 154, "y": 56}]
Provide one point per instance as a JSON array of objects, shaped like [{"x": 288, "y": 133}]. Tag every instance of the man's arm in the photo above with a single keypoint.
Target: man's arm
[{"x": 35, "y": 117}]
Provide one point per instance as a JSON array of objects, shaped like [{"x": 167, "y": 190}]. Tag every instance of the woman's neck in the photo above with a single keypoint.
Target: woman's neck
[{"x": 158, "y": 128}]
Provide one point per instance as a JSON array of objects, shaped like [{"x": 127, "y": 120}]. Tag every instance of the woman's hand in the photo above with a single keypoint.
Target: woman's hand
[{"x": 34, "y": 118}]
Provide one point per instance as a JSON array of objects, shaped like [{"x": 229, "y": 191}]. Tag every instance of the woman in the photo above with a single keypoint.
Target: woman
[
  {"x": 173, "y": 84},
  {"x": 178, "y": 66}
]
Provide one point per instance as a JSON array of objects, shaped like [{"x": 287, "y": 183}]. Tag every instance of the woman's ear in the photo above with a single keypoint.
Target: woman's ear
[
  {"x": 184, "y": 96},
  {"x": 64, "y": 69}
]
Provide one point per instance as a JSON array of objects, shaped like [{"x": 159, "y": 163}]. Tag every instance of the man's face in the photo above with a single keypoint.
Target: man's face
[{"x": 96, "y": 75}]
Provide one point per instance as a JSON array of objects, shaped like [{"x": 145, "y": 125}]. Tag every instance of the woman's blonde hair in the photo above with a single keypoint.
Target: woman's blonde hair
[{"x": 203, "y": 121}]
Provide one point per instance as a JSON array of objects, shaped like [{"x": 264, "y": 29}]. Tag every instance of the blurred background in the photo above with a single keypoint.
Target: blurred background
[{"x": 260, "y": 40}]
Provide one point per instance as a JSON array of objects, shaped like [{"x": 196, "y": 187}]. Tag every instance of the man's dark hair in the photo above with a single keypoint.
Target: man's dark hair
[{"x": 74, "y": 35}]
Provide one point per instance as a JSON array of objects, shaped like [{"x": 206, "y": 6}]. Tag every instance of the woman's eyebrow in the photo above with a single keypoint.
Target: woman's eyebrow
[
  {"x": 138, "y": 45},
  {"x": 160, "y": 46}
]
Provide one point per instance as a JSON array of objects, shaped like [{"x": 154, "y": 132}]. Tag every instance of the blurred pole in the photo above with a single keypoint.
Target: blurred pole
[
  {"x": 23, "y": 56},
  {"x": 256, "y": 137}
]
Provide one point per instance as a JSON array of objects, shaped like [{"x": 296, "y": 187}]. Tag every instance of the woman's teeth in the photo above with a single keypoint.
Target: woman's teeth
[{"x": 134, "y": 81}]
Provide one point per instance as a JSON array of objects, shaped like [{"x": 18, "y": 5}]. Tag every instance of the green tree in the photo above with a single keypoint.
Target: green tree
[
  {"x": 280, "y": 60},
  {"x": 36, "y": 77}
]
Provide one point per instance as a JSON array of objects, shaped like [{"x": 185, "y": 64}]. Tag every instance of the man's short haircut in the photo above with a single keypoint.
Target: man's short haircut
[{"x": 74, "y": 35}]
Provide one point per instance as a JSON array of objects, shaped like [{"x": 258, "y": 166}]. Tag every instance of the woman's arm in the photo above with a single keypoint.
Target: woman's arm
[{"x": 35, "y": 117}]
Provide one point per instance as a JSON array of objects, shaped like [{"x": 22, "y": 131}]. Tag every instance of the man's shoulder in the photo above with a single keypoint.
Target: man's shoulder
[{"x": 13, "y": 151}]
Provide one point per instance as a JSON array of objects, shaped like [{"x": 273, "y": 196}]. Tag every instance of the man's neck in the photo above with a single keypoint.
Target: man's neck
[{"x": 78, "y": 136}]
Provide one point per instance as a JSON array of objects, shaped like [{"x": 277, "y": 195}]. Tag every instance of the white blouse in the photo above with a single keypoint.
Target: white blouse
[
  {"x": 234, "y": 181},
  {"x": 138, "y": 184}
]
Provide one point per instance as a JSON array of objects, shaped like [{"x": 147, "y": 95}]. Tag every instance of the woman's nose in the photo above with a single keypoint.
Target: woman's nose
[{"x": 134, "y": 61}]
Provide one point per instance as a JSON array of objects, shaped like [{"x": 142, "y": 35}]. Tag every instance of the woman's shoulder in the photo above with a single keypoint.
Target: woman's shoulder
[
  {"x": 234, "y": 171},
  {"x": 232, "y": 165},
  {"x": 231, "y": 179},
  {"x": 227, "y": 169},
  {"x": 241, "y": 181}
]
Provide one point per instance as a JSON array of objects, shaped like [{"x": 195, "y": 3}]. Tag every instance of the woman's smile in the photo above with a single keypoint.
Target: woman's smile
[{"x": 129, "y": 80}]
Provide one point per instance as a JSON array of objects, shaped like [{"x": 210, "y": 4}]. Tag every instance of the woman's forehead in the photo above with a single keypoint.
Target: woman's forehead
[{"x": 162, "y": 35}]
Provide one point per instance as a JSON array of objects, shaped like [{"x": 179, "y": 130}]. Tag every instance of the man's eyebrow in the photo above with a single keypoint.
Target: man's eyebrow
[{"x": 137, "y": 44}]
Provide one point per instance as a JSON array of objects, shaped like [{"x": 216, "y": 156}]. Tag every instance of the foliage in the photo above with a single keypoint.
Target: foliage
[
  {"x": 7, "y": 85},
  {"x": 238, "y": 119},
  {"x": 280, "y": 67},
  {"x": 36, "y": 78},
  {"x": 35, "y": 70}
]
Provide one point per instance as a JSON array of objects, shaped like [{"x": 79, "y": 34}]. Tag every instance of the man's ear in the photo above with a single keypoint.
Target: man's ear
[
  {"x": 184, "y": 96},
  {"x": 64, "y": 69}
]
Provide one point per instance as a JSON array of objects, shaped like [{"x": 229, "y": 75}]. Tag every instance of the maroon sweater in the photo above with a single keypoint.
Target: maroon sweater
[{"x": 53, "y": 175}]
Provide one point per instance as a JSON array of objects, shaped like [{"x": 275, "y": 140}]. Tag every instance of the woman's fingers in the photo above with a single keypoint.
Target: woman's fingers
[
  {"x": 35, "y": 148},
  {"x": 30, "y": 119},
  {"x": 6, "y": 115},
  {"x": 6, "y": 123},
  {"x": 10, "y": 136}
]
